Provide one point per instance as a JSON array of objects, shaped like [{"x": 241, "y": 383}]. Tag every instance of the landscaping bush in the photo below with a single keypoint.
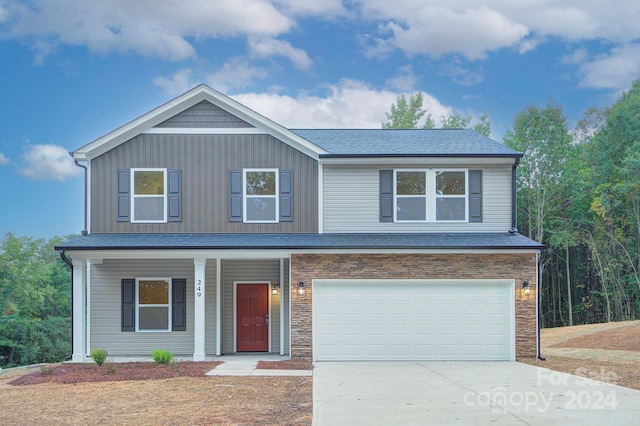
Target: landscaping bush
[
  {"x": 99, "y": 356},
  {"x": 25, "y": 341},
  {"x": 162, "y": 356}
]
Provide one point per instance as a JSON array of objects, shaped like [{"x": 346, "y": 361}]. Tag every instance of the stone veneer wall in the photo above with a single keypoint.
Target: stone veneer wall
[{"x": 307, "y": 267}]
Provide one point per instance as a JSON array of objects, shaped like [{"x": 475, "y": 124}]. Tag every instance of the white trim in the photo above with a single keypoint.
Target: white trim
[
  {"x": 254, "y": 254},
  {"x": 538, "y": 348},
  {"x": 140, "y": 196},
  {"x": 275, "y": 197},
  {"x": 507, "y": 282},
  {"x": 422, "y": 161},
  {"x": 78, "y": 351},
  {"x": 199, "y": 309},
  {"x": 281, "y": 306},
  {"x": 89, "y": 263},
  {"x": 183, "y": 102},
  {"x": 168, "y": 305},
  {"x": 88, "y": 199},
  {"x": 218, "y": 307},
  {"x": 235, "y": 310},
  {"x": 290, "y": 291},
  {"x": 204, "y": 131},
  {"x": 320, "y": 198}
]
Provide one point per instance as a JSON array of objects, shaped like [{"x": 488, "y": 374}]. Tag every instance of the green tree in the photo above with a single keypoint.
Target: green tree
[{"x": 407, "y": 113}]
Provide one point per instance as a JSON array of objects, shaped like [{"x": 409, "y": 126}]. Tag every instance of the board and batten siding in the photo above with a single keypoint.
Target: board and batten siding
[
  {"x": 205, "y": 161},
  {"x": 106, "y": 308},
  {"x": 204, "y": 114},
  {"x": 249, "y": 271},
  {"x": 351, "y": 199}
]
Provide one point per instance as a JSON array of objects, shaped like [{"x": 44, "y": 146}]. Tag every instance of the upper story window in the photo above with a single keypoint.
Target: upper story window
[
  {"x": 430, "y": 195},
  {"x": 260, "y": 195},
  {"x": 149, "y": 195}
]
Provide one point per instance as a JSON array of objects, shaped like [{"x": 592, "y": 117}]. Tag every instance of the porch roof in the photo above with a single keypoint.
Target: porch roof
[{"x": 389, "y": 242}]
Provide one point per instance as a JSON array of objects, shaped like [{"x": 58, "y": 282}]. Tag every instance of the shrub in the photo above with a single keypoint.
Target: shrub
[
  {"x": 46, "y": 370},
  {"x": 162, "y": 356},
  {"x": 99, "y": 355},
  {"x": 25, "y": 341}
]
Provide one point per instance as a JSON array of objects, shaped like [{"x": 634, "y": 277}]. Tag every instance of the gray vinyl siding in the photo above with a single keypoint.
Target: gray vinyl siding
[
  {"x": 352, "y": 193},
  {"x": 205, "y": 161},
  {"x": 204, "y": 114},
  {"x": 249, "y": 270},
  {"x": 106, "y": 308}
]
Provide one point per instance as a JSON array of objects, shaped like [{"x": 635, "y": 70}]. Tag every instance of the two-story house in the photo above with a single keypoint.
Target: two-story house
[{"x": 212, "y": 230}]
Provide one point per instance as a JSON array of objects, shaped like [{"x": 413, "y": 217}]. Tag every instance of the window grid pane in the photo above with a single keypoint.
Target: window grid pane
[
  {"x": 153, "y": 292},
  {"x": 148, "y": 182},
  {"x": 261, "y": 183},
  {"x": 411, "y": 183},
  {"x": 451, "y": 208},
  {"x": 153, "y": 318},
  {"x": 450, "y": 183}
]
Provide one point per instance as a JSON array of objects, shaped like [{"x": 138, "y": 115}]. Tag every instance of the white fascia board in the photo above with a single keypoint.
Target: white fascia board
[
  {"x": 268, "y": 254},
  {"x": 417, "y": 160},
  {"x": 183, "y": 102}
]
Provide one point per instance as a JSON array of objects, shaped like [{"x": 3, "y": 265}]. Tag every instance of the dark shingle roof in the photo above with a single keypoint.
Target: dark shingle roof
[
  {"x": 298, "y": 241},
  {"x": 405, "y": 142}
]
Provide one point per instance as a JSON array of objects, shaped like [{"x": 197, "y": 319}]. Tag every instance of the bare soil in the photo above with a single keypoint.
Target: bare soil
[
  {"x": 147, "y": 393},
  {"x": 605, "y": 352}
]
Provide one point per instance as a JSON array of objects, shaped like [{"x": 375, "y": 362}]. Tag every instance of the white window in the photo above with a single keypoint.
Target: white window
[
  {"x": 431, "y": 195},
  {"x": 260, "y": 193},
  {"x": 149, "y": 195},
  {"x": 153, "y": 304}
]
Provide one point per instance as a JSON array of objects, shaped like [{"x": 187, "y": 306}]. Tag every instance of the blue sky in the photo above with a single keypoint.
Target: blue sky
[{"x": 75, "y": 70}]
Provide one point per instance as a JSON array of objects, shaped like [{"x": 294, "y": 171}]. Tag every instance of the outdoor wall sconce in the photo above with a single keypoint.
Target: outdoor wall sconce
[
  {"x": 301, "y": 288},
  {"x": 526, "y": 288},
  {"x": 274, "y": 288}
]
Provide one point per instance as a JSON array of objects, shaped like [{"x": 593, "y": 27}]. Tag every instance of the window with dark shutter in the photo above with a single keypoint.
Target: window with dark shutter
[
  {"x": 286, "y": 195},
  {"x": 386, "y": 195},
  {"x": 174, "y": 193},
  {"x": 179, "y": 305},
  {"x": 123, "y": 197},
  {"x": 475, "y": 195},
  {"x": 128, "y": 316}
]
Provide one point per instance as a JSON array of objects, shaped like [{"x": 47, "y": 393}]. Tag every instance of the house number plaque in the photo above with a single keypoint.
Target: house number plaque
[{"x": 199, "y": 288}]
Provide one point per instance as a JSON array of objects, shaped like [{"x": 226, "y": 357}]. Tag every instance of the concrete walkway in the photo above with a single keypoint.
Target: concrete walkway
[
  {"x": 465, "y": 393},
  {"x": 245, "y": 365}
]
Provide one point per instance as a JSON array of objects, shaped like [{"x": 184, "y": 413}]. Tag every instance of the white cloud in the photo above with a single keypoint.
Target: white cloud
[
  {"x": 48, "y": 162},
  {"x": 405, "y": 80},
  {"x": 3, "y": 160},
  {"x": 236, "y": 73},
  {"x": 265, "y": 47},
  {"x": 158, "y": 28},
  {"x": 348, "y": 104},
  {"x": 578, "y": 56},
  {"x": 325, "y": 8},
  {"x": 614, "y": 71},
  {"x": 462, "y": 75},
  {"x": 179, "y": 82}
]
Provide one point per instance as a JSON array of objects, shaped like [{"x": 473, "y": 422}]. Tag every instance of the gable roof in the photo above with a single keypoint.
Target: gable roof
[
  {"x": 344, "y": 143},
  {"x": 183, "y": 102}
]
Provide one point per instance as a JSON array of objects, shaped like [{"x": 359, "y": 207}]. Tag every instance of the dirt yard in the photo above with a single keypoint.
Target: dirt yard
[
  {"x": 607, "y": 352},
  {"x": 145, "y": 393}
]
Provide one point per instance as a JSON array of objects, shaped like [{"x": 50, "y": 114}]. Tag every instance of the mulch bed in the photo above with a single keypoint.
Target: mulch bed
[
  {"x": 287, "y": 364},
  {"x": 622, "y": 339},
  {"x": 113, "y": 372}
]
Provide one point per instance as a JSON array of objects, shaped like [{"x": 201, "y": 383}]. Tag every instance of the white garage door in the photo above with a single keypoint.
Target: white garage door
[{"x": 413, "y": 320}]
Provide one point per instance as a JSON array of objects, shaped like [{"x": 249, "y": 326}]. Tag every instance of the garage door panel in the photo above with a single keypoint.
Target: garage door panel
[{"x": 400, "y": 320}]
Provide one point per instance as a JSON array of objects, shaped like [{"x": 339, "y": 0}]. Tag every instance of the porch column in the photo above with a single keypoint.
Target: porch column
[
  {"x": 198, "y": 310},
  {"x": 79, "y": 307}
]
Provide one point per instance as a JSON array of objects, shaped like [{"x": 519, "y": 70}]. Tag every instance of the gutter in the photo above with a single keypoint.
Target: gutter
[
  {"x": 517, "y": 156},
  {"x": 514, "y": 198},
  {"x": 84, "y": 230},
  {"x": 66, "y": 260}
]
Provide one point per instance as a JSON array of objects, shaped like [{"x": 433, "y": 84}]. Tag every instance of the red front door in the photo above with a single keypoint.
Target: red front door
[{"x": 252, "y": 317}]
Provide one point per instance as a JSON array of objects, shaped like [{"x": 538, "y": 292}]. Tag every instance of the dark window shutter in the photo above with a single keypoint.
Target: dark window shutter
[
  {"x": 174, "y": 194},
  {"x": 235, "y": 196},
  {"x": 123, "y": 202},
  {"x": 128, "y": 304},
  {"x": 179, "y": 304},
  {"x": 286, "y": 195},
  {"x": 475, "y": 195},
  {"x": 386, "y": 195}
]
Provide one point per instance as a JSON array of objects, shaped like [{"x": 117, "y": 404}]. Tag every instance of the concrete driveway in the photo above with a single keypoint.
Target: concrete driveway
[{"x": 467, "y": 393}]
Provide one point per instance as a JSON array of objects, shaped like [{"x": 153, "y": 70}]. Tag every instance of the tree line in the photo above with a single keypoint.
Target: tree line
[
  {"x": 579, "y": 194},
  {"x": 35, "y": 302}
]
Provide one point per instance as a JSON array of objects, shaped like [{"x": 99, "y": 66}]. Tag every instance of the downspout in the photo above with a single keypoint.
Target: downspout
[
  {"x": 84, "y": 230},
  {"x": 66, "y": 260},
  {"x": 514, "y": 198},
  {"x": 539, "y": 303}
]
